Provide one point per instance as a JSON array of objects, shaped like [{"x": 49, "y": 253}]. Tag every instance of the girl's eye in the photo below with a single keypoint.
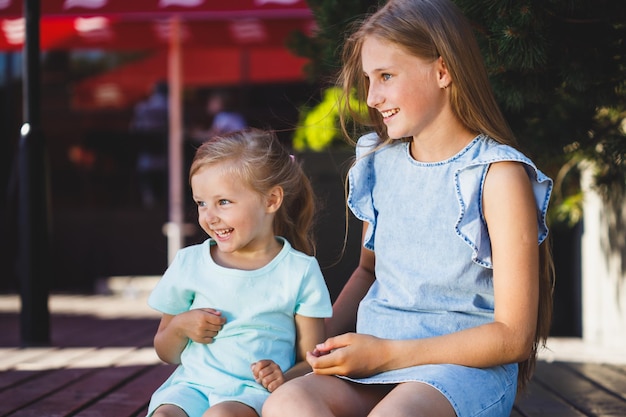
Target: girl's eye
[
  {"x": 223, "y": 202},
  {"x": 385, "y": 77},
  {"x": 200, "y": 203}
]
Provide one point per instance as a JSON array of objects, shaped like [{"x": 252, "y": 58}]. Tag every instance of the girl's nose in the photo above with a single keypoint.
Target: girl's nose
[
  {"x": 208, "y": 217},
  {"x": 373, "y": 96}
]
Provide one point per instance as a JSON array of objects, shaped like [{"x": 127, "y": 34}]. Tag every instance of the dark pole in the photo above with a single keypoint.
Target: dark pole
[{"x": 32, "y": 214}]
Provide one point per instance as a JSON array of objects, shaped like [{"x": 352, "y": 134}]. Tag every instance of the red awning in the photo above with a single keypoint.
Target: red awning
[
  {"x": 145, "y": 24},
  {"x": 204, "y": 8},
  {"x": 222, "y": 42},
  {"x": 123, "y": 86}
]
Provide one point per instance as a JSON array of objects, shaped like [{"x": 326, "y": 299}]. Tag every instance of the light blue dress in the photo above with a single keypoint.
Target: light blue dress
[
  {"x": 433, "y": 259},
  {"x": 259, "y": 307}
]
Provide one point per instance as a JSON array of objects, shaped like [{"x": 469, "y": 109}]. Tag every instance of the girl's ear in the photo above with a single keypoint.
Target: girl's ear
[
  {"x": 274, "y": 199},
  {"x": 443, "y": 76}
]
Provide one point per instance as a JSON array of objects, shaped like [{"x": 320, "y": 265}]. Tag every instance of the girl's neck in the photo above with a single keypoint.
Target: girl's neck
[
  {"x": 440, "y": 144},
  {"x": 247, "y": 259}
]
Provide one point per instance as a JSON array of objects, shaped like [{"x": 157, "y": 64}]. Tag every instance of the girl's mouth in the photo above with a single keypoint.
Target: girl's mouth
[
  {"x": 223, "y": 233},
  {"x": 388, "y": 113}
]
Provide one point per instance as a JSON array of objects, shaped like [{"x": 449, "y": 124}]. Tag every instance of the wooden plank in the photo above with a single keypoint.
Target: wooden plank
[
  {"x": 10, "y": 378},
  {"x": 107, "y": 307},
  {"x": 142, "y": 332},
  {"x": 35, "y": 390},
  {"x": 142, "y": 413},
  {"x": 132, "y": 398},
  {"x": 75, "y": 331},
  {"x": 25, "y": 388},
  {"x": 80, "y": 392},
  {"x": 581, "y": 393},
  {"x": 102, "y": 357},
  {"x": 55, "y": 359},
  {"x": 537, "y": 402},
  {"x": 9, "y": 357},
  {"x": 141, "y": 356},
  {"x": 611, "y": 378},
  {"x": 123, "y": 332}
]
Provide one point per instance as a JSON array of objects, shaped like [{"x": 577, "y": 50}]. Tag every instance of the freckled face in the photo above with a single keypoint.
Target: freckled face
[
  {"x": 402, "y": 87},
  {"x": 230, "y": 212}
]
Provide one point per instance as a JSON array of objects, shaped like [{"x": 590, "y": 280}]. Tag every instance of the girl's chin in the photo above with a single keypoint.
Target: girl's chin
[
  {"x": 223, "y": 243},
  {"x": 396, "y": 135},
  {"x": 225, "y": 247}
]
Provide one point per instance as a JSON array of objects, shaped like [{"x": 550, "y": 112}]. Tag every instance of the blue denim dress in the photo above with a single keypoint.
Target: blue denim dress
[{"x": 433, "y": 259}]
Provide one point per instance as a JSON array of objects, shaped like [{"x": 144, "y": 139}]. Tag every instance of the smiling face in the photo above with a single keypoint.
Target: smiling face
[
  {"x": 405, "y": 89},
  {"x": 239, "y": 219}
]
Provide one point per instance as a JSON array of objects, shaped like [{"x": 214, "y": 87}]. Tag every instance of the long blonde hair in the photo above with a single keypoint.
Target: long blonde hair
[
  {"x": 262, "y": 162},
  {"x": 430, "y": 29}
]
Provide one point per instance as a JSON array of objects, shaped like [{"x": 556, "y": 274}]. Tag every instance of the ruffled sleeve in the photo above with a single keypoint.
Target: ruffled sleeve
[
  {"x": 361, "y": 178},
  {"x": 469, "y": 181}
]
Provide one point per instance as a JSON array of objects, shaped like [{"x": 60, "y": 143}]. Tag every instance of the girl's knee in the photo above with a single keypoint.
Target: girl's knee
[
  {"x": 230, "y": 409},
  {"x": 289, "y": 399},
  {"x": 280, "y": 401},
  {"x": 168, "y": 410},
  {"x": 416, "y": 399}
]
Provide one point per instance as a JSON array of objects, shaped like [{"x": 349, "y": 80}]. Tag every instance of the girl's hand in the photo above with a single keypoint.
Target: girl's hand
[
  {"x": 350, "y": 354},
  {"x": 200, "y": 325},
  {"x": 267, "y": 373}
]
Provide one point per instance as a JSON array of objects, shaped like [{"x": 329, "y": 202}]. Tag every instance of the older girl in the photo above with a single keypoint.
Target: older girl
[{"x": 452, "y": 294}]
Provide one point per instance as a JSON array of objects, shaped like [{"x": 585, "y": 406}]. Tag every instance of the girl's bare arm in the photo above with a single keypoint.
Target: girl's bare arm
[
  {"x": 174, "y": 332},
  {"x": 347, "y": 303}
]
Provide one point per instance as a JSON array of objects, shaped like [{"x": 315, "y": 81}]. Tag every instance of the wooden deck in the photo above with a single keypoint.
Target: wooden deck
[{"x": 101, "y": 363}]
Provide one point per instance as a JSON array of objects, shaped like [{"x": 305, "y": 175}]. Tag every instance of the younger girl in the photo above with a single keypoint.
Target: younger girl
[
  {"x": 454, "y": 281},
  {"x": 240, "y": 310}
]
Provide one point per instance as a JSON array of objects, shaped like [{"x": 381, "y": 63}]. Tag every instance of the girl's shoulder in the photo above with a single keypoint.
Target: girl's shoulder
[
  {"x": 371, "y": 145},
  {"x": 488, "y": 150},
  {"x": 368, "y": 140},
  {"x": 193, "y": 257},
  {"x": 295, "y": 257},
  {"x": 366, "y": 144},
  {"x": 470, "y": 179}
]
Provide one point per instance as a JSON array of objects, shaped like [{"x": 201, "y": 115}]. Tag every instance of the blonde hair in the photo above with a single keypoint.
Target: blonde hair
[
  {"x": 262, "y": 162},
  {"x": 430, "y": 29}
]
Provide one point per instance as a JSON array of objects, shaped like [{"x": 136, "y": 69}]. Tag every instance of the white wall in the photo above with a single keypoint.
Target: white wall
[{"x": 603, "y": 268}]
